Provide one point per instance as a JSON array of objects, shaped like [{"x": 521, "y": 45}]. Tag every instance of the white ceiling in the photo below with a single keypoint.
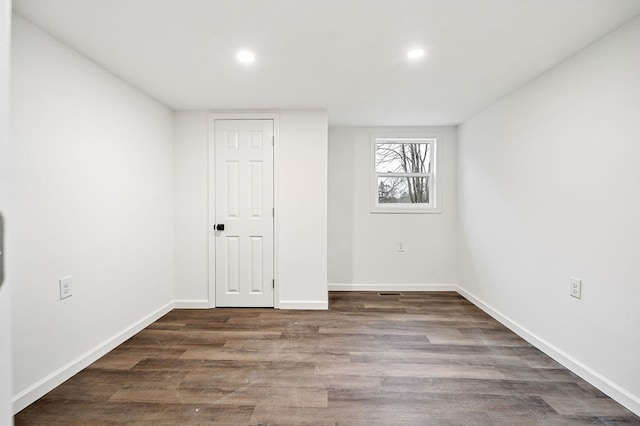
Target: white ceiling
[{"x": 347, "y": 56}]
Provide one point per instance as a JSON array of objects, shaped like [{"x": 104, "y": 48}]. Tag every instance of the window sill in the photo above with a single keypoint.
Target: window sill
[{"x": 405, "y": 210}]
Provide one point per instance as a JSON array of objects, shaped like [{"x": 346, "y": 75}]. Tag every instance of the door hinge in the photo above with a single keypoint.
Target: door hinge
[
  {"x": 273, "y": 140},
  {"x": 273, "y": 212},
  {"x": 273, "y": 283}
]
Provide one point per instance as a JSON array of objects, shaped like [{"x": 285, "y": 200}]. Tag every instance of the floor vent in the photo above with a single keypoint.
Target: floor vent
[{"x": 389, "y": 293}]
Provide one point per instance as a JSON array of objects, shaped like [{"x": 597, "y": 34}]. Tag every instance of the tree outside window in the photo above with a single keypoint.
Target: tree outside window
[{"x": 404, "y": 172}]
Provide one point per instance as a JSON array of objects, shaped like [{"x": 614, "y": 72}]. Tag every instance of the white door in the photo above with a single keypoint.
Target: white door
[{"x": 244, "y": 212}]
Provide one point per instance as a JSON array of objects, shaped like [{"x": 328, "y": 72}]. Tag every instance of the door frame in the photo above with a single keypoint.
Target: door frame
[{"x": 211, "y": 190}]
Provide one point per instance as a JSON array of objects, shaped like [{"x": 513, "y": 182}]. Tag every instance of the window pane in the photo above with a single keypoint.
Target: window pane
[
  {"x": 411, "y": 190},
  {"x": 403, "y": 157}
]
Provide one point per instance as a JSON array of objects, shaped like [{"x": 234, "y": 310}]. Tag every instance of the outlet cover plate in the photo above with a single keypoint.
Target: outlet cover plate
[
  {"x": 65, "y": 287},
  {"x": 575, "y": 287}
]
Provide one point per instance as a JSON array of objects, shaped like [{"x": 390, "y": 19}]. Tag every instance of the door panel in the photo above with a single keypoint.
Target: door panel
[
  {"x": 231, "y": 265},
  {"x": 244, "y": 204}
]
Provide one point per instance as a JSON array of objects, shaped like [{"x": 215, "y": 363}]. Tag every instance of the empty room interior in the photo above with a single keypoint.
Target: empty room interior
[{"x": 320, "y": 212}]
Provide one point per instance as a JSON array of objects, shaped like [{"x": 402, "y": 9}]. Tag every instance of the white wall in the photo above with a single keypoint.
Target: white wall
[
  {"x": 190, "y": 159},
  {"x": 301, "y": 223},
  {"x": 549, "y": 187},
  {"x": 91, "y": 196},
  {"x": 301, "y": 210},
  {"x": 5, "y": 316},
  {"x": 362, "y": 245}
]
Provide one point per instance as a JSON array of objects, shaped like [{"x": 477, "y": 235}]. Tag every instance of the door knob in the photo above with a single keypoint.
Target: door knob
[{"x": 220, "y": 227}]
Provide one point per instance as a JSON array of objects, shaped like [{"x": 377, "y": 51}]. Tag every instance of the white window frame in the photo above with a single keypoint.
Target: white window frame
[{"x": 434, "y": 206}]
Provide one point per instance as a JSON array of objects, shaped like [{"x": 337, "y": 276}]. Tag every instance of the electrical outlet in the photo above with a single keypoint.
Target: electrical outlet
[
  {"x": 401, "y": 246},
  {"x": 575, "y": 288},
  {"x": 65, "y": 287}
]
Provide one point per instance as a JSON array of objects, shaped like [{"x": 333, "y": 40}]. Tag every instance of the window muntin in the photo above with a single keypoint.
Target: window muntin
[{"x": 404, "y": 174}]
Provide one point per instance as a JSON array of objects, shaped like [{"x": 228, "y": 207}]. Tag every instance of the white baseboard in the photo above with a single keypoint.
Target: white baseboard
[
  {"x": 391, "y": 287},
  {"x": 616, "y": 392},
  {"x": 40, "y": 388},
  {"x": 291, "y": 304},
  {"x": 303, "y": 305},
  {"x": 191, "y": 304}
]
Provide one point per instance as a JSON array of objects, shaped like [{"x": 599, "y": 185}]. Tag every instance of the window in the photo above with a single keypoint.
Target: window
[{"x": 404, "y": 175}]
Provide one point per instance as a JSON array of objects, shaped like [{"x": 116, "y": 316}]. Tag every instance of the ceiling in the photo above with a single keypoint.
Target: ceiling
[{"x": 348, "y": 56}]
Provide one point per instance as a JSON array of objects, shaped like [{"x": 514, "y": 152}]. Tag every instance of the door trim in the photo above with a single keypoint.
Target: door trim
[{"x": 212, "y": 117}]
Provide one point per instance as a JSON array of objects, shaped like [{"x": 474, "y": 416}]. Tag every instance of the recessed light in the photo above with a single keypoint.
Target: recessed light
[
  {"x": 414, "y": 54},
  {"x": 245, "y": 57}
]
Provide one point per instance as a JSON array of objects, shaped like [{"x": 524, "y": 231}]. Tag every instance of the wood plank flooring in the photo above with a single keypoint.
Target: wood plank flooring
[{"x": 372, "y": 359}]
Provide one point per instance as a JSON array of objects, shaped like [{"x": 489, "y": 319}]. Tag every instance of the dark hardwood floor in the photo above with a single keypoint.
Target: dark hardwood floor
[{"x": 373, "y": 358}]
